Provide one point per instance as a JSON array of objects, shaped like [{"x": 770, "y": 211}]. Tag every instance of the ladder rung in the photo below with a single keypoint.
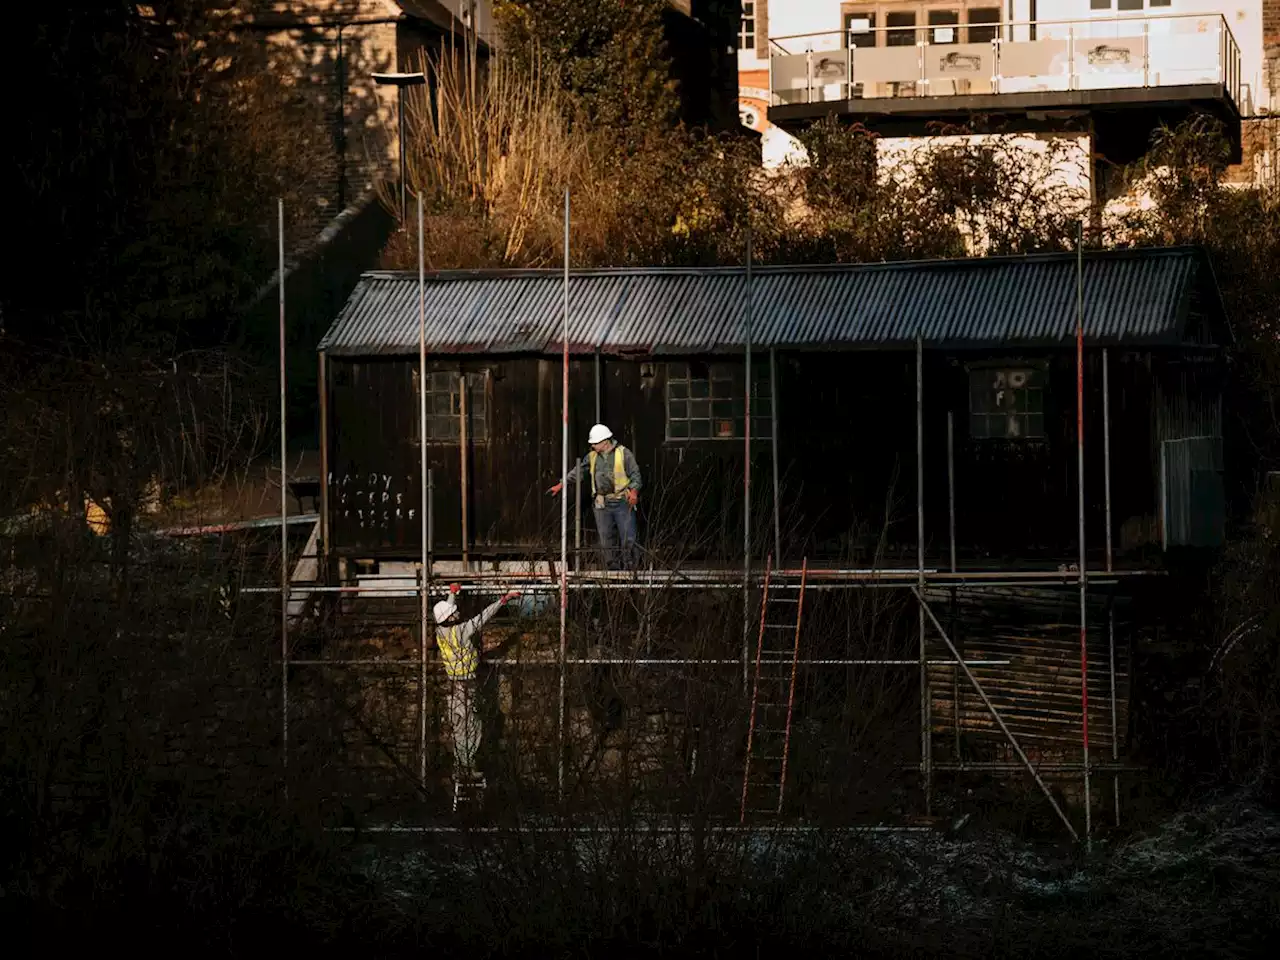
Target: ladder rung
[
  {"x": 783, "y": 600},
  {"x": 780, "y": 626}
]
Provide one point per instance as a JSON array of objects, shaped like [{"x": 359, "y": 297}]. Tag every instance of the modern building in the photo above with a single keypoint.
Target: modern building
[{"x": 1114, "y": 69}]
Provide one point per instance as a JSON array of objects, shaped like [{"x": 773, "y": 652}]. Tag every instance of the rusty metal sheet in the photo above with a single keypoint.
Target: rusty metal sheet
[{"x": 1038, "y": 693}]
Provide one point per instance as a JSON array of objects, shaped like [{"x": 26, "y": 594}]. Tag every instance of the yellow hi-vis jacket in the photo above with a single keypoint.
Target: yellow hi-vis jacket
[
  {"x": 625, "y": 473},
  {"x": 457, "y": 644},
  {"x": 620, "y": 479}
]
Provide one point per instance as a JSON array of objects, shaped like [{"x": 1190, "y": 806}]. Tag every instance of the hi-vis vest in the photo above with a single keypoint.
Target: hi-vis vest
[
  {"x": 460, "y": 658},
  {"x": 620, "y": 479}
]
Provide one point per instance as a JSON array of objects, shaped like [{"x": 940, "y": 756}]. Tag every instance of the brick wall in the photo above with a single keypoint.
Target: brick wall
[
  {"x": 331, "y": 70},
  {"x": 762, "y": 28},
  {"x": 328, "y": 58},
  {"x": 1271, "y": 54}
]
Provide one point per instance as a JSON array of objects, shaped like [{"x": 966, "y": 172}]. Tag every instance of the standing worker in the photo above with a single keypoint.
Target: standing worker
[
  {"x": 460, "y": 652},
  {"x": 615, "y": 490}
]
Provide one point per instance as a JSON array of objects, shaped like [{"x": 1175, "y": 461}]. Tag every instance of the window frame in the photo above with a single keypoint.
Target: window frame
[
  {"x": 1027, "y": 412},
  {"x": 747, "y": 26},
  {"x": 478, "y": 382},
  {"x": 681, "y": 377},
  {"x": 879, "y": 12},
  {"x": 849, "y": 36}
]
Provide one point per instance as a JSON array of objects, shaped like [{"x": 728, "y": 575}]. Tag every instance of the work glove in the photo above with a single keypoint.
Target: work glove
[
  {"x": 454, "y": 588},
  {"x": 555, "y": 488},
  {"x": 511, "y": 595},
  {"x": 633, "y": 496}
]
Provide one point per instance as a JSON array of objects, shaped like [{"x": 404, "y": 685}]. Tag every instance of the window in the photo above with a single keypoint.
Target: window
[
  {"x": 944, "y": 26},
  {"x": 989, "y": 18},
  {"x": 860, "y": 28},
  {"x": 706, "y": 402},
  {"x": 1099, "y": 4},
  {"x": 1006, "y": 403},
  {"x": 900, "y": 37},
  {"x": 444, "y": 406},
  {"x": 1128, "y": 4},
  {"x": 747, "y": 27}
]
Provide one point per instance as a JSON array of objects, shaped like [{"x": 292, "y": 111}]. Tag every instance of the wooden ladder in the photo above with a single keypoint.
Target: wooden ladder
[{"x": 764, "y": 775}]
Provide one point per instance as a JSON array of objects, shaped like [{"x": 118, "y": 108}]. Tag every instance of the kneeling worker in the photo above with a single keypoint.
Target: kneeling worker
[
  {"x": 460, "y": 644},
  {"x": 615, "y": 490}
]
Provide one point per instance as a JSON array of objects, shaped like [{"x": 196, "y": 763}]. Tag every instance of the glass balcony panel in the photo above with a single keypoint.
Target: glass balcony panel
[
  {"x": 959, "y": 69},
  {"x": 938, "y": 52},
  {"x": 887, "y": 71},
  {"x": 1032, "y": 66},
  {"x": 1109, "y": 62}
]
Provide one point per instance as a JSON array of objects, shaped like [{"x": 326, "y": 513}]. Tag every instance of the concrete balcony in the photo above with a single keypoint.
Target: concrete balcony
[{"x": 1129, "y": 74}]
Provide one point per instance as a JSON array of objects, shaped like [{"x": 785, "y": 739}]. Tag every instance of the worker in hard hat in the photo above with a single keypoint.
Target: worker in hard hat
[
  {"x": 615, "y": 490},
  {"x": 460, "y": 644}
]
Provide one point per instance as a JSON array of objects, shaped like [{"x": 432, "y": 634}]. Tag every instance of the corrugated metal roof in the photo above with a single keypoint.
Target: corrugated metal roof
[{"x": 1137, "y": 296}]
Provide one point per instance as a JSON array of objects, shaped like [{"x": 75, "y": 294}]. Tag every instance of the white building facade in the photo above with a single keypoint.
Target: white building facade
[
  {"x": 806, "y": 51},
  {"x": 1173, "y": 29}
]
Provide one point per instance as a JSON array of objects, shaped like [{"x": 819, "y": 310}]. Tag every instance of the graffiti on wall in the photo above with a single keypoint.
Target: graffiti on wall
[{"x": 374, "y": 501}]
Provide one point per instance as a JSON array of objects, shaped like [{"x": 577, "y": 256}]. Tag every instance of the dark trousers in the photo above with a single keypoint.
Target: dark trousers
[{"x": 616, "y": 524}]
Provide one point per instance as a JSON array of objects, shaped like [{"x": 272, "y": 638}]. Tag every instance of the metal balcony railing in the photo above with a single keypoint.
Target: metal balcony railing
[{"x": 941, "y": 60}]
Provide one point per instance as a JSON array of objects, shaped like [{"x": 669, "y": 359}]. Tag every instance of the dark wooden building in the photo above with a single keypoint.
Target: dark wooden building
[
  {"x": 862, "y": 379},
  {"x": 659, "y": 355}
]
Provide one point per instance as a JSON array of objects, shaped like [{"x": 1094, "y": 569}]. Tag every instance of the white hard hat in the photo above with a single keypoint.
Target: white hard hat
[
  {"x": 443, "y": 610},
  {"x": 599, "y": 433}
]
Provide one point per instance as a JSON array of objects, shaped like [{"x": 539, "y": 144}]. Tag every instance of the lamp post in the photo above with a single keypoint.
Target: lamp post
[{"x": 400, "y": 81}]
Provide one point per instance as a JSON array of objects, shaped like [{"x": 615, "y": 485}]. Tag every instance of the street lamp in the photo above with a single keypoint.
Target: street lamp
[{"x": 401, "y": 80}]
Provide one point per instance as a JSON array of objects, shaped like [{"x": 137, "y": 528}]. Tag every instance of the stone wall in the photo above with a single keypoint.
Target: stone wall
[{"x": 626, "y": 729}]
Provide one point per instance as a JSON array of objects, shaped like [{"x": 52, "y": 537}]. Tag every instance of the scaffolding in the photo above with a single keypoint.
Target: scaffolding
[{"x": 567, "y": 576}]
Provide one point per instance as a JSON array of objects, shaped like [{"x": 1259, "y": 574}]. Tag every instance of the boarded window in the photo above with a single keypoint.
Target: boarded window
[
  {"x": 705, "y": 401},
  {"x": 1006, "y": 403},
  {"x": 444, "y": 407}
]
